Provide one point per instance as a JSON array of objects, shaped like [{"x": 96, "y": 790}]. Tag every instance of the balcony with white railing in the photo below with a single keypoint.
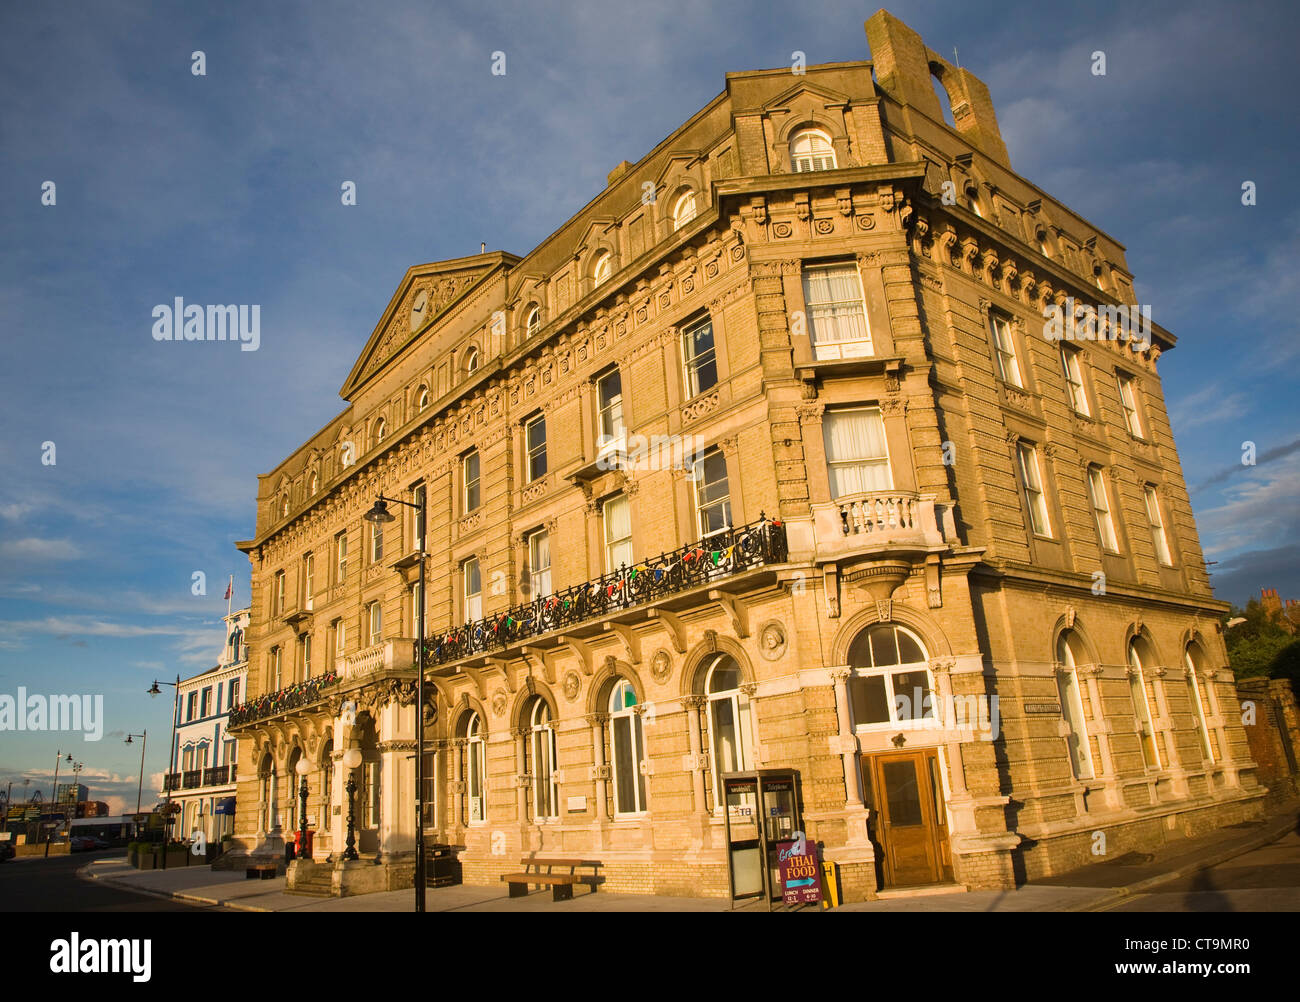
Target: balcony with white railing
[
  {"x": 884, "y": 521},
  {"x": 396, "y": 654}
]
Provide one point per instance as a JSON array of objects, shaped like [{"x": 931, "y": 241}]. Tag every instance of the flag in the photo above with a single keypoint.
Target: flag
[{"x": 230, "y": 590}]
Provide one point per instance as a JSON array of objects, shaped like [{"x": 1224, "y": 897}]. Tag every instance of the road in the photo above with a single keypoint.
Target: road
[
  {"x": 1265, "y": 880},
  {"x": 52, "y": 885}
]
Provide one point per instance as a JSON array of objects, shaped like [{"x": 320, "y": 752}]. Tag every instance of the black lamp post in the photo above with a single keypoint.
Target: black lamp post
[
  {"x": 351, "y": 759},
  {"x": 153, "y": 690},
  {"x": 302, "y": 768},
  {"x": 144, "y": 742},
  {"x": 380, "y": 514}
]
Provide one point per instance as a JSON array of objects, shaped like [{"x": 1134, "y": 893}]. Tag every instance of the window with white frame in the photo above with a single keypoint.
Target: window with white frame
[
  {"x": 475, "y": 766},
  {"x": 700, "y": 361},
  {"x": 340, "y": 558},
  {"x": 603, "y": 268},
  {"x": 422, "y": 400},
  {"x": 381, "y": 429},
  {"x": 617, "y": 513},
  {"x": 1032, "y": 482},
  {"x": 535, "y": 448},
  {"x": 375, "y": 618},
  {"x": 541, "y": 741},
  {"x": 415, "y": 609},
  {"x": 308, "y": 580},
  {"x": 1128, "y": 400},
  {"x": 539, "y": 564},
  {"x": 837, "y": 322},
  {"x": 306, "y": 655},
  {"x": 279, "y": 593},
  {"x": 712, "y": 492},
  {"x": 376, "y": 542},
  {"x": 533, "y": 323},
  {"x": 1069, "y": 654},
  {"x": 891, "y": 684},
  {"x": 1101, "y": 509},
  {"x": 418, "y": 494},
  {"x": 683, "y": 209},
  {"x": 1004, "y": 350},
  {"x": 340, "y": 643},
  {"x": 1157, "y": 523},
  {"x": 313, "y": 484},
  {"x": 857, "y": 458},
  {"x": 811, "y": 149},
  {"x": 1077, "y": 392},
  {"x": 1141, "y": 692},
  {"x": 609, "y": 403},
  {"x": 277, "y": 680},
  {"x": 471, "y": 360},
  {"x": 730, "y": 741},
  {"x": 205, "y": 703},
  {"x": 627, "y": 749},
  {"x": 469, "y": 475},
  {"x": 1198, "y": 696},
  {"x": 472, "y": 588}
]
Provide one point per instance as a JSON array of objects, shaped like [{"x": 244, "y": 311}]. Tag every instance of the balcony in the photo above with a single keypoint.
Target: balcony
[
  {"x": 880, "y": 521},
  {"x": 192, "y": 779},
  {"x": 289, "y": 698},
  {"x": 217, "y": 776},
  {"x": 704, "y": 562},
  {"x": 388, "y": 656},
  {"x": 172, "y": 781}
]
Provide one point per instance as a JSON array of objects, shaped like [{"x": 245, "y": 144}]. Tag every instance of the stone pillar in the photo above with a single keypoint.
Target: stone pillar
[
  {"x": 847, "y": 742},
  {"x": 600, "y": 771},
  {"x": 458, "y": 818},
  {"x": 695, "y": 761},
  {"x": 521, "y": 775},
  {"x": 749, "y": 689}
]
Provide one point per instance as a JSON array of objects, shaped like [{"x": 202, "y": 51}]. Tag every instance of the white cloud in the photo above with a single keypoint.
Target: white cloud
[
  {"x": 1258, "y": 510},
  {"x": 33, "y": 548}
]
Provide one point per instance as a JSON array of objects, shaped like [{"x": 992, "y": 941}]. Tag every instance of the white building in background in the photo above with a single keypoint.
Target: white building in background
[{"x": 204, "y": 757}]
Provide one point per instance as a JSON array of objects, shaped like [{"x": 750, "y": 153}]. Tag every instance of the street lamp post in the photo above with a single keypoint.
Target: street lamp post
[
  {"x": 302, "y": 767},
  {"x": 351, "y": 759},
  {"x": 58, "y": 756},
  {"x": 139, "y": 789},
  {"x": 153, "y": 690},
  {"x": 380, "y": 514}
]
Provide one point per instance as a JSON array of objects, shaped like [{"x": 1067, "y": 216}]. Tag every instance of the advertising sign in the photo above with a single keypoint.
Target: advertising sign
[{"x": 800, "y": 871}]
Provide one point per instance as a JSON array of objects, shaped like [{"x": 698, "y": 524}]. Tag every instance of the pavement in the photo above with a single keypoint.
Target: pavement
[{"x": 1193, "y": 874}]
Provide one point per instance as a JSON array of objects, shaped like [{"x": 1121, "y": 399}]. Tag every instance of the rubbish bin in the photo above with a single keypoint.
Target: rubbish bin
[{"x": 304, "y": 851}]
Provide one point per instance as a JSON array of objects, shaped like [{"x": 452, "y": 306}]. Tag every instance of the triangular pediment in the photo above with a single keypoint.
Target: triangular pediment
[
  {"x": 803, "y": 95},
  {"x": 434, "y": 288}
]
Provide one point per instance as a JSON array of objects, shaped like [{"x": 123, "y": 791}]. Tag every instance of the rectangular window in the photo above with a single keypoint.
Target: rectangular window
[
  {"x": 469, "y": 477},
  {"x": 308, "y": 580},
  {"x": 539, "y": 564},
  {"x": 535, "y": 443},
  {"x": 376, "y": 618},
  {"x": 306, "y": 655},
  {"x": 609, "y": 398},
  {"x": 473, "y": 589},
  {"x": 279, "y": 593},
  {"x": 340, "y": 558},
  {"x": 1128, "y": 400},
  {"x": 1004, "y": 350},
  {"x": 190, "y": 702},
  {"x": 376, "y": 542},
  {"x": 700, "y": 360},
  {"x": 1158, "y": 536},
  {"x": 1078, "y": 394},
  {"x": 276, "y": 678},
  {"x": 1101, "y": 509},
  {"x": 857, "y": 460},
  {"x": 205, "y": 704},
  {"x": 1031, "y": 481},
  {"x": 618, "y": 533},
  {"x": 837, "y": 322},
  {"x": 233, "y": 699},
  {"x": 418, "y": 494},
  {"x": 340, "y": 643},
  {"x": 712, "y": 493}
]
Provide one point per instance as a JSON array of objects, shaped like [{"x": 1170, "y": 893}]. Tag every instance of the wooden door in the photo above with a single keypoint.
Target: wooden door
[{"x": 906, "y": 794}]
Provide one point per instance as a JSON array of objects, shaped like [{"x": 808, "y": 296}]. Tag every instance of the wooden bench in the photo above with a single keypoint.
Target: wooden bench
[
  {"x": 265, "y": 871},
  {"x": 543, "y": 873}
]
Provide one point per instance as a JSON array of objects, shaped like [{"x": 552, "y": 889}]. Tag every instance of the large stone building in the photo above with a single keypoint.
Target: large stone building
[{"x": 764, "y": 459}]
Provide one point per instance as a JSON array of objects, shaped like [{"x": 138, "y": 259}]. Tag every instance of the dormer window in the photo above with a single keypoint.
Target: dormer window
[
  {"x": 683, "y": 209},
  {"x": 422, "y": 400},
  {"x": 284, "y": 506},
  {"x": 534, "y": 322},
  {"x": 313, "y": 484},
  {"x": 603, "y": 268},
  {"x": 972, "y": 198},
  {"x": 380, "y": 430},
  {"x": 810, "y": 149},
  {"x": 471, "y": 360}
]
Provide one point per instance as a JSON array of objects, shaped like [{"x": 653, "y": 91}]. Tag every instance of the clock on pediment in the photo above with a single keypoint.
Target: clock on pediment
[{"x": 419, "y": 309}]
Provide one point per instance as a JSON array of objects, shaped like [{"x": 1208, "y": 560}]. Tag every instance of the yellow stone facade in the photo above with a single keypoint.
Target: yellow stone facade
[{"x": 722, "y": 223}]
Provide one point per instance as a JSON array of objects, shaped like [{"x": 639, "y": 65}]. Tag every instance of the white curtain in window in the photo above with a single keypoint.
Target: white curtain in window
[
  {"x": 834, "y": 300},
  {"x": 618, "y": 532},
  {"x": 857, "y": 457}
]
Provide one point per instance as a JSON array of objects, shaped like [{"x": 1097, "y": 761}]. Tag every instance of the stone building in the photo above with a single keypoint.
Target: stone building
[{"x": 766, "y": 458}]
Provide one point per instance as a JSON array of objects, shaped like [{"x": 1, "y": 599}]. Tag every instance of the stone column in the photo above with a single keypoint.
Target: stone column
[
  {"x": 695, "y": 760},
  {"x": 847, "y": 742},
  {"x": 458, "y": 817},
  {"x": 521, "y": 775},
  {"x": 600, "y": 771}
]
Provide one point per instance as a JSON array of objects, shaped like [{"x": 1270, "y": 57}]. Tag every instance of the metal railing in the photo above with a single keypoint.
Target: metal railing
[{"x": 289, "y": 698}]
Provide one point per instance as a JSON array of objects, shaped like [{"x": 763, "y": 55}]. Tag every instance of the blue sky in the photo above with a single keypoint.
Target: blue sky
[{"x": 224, "y": 188}]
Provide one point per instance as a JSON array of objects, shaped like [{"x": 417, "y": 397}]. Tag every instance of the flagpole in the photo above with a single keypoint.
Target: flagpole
[{"x": 230, "y": 594}]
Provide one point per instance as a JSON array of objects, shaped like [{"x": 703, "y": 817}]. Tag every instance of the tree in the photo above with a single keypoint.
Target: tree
[{"x": 1261, "y": 646}]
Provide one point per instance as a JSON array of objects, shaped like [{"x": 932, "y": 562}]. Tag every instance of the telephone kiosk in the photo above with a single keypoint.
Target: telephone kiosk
[{"x": 762, "y": 810}]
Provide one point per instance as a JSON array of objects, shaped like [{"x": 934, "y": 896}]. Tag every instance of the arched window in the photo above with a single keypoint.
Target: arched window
[
  {"x": 1142, "y": 692},
  {"x": 380, "y": 429},
  {"x": 475, "y": 766},
  {"x": 471, "y": 360},
  {"x": 422, "y": 399},
  {"x": 729, "y": 721},
  {"x": 683, "y": 209},
  {"x": 313, "y": 484},
  {"x": 603, "y": 268},
  {"x": 534, "y": 322},
  {"x": 627, "y": 748},
  {"x": 541, "y": 749},
  {"x": 1069, "y": 655},
  {"x": 284, "y": 506},
  {"x": 810, "y": 149},
  {"x": 891, "y": 685},
  {"x": 1199, "y": 696}
]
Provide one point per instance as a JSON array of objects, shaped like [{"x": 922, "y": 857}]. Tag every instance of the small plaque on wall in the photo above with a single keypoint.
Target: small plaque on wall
[{"x": 576, "y": 805}]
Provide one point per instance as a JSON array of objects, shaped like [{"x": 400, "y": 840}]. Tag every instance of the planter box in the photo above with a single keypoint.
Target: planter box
[
  {"x": 132, "y": 858},
  {"x": 146, "y": 861}
]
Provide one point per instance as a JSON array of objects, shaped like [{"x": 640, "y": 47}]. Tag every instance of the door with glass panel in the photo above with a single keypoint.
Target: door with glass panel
[{"x": 905, "y": 794}]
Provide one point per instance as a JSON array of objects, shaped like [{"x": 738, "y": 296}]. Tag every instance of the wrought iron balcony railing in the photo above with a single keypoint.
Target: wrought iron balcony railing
[
  {"x": 289, "y": 698},
  {"x": 708, "y": 560},
  {"x": 172, "y": 781}
]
